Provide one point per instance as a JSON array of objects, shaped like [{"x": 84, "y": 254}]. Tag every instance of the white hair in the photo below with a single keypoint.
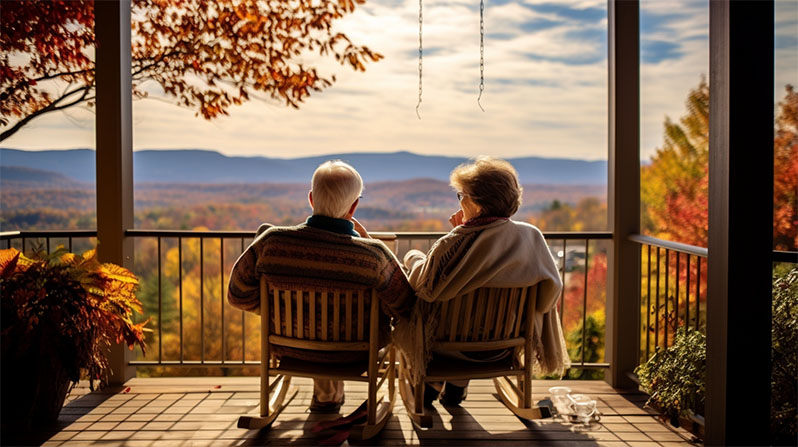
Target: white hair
[{"x": 335, "y": 187}]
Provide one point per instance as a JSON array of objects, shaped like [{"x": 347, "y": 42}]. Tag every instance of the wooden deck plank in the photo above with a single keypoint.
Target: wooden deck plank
[{"x": 203, "y": 411}]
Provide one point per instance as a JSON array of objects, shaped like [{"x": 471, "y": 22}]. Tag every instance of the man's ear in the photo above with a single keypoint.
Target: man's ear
[
  {"x": 310, "y": 198},
  {"x": 352, "y": 209}
]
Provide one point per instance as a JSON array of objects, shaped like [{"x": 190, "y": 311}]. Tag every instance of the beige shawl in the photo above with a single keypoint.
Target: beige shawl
[{"x": 502, "y": 253}]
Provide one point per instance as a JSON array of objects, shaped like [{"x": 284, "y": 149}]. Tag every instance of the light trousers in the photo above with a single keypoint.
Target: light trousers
[{"x": 326, "y": 390}]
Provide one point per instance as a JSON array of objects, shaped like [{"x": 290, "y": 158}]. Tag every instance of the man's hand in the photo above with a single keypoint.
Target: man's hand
[
  {"x": 456, "y": 218},
  {"x": 360, "y": 229}
]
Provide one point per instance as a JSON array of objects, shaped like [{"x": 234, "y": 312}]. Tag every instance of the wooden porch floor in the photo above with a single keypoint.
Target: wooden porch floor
[{"x": 200, "y": 412}]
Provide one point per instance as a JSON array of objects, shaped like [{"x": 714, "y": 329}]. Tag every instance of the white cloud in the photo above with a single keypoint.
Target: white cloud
[{"x": 545, "y": 87}]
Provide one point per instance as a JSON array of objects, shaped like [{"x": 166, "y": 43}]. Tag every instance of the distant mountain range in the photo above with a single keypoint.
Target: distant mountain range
[{"x": 203, "y": 166}]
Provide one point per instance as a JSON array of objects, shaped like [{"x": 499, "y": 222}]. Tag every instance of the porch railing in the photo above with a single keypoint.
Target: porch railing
[
  {"x": 184, "y": 274},
  {"x": 673, "y": 291}
]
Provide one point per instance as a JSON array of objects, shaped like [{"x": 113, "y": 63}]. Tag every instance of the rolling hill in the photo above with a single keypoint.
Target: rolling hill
[{"x": 210, "y": 167}]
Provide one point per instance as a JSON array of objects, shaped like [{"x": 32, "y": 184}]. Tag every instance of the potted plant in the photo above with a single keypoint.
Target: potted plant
[
  {"x": 60, "y": 314},
  {"x": 675, "y": 380}
]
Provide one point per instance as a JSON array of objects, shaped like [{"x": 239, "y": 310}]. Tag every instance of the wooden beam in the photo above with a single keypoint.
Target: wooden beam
[
  {"x": 740, "y": 222},
  {"x": 114, "y": 148},
  {"x": 623, "y": 195}
]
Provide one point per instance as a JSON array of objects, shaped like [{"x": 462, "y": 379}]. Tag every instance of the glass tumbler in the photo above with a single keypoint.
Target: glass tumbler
[
  {"x": 584, "y": 410},
  {"x": 559, "y": 398}
]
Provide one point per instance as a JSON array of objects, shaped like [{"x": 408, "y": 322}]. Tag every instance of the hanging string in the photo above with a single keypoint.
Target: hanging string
[
  {"x": 420, "y": 56},
  {"x": 481, "y": 51}
]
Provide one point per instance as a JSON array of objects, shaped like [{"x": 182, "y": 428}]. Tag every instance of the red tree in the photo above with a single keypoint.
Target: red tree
[{"x": 785, "y": 198}]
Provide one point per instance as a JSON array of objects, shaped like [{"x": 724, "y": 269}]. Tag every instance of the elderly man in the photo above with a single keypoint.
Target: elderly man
[{"x": 330, "y": 249}]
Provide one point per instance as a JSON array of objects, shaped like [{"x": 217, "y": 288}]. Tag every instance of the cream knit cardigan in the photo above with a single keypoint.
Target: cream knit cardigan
[{"x": 502, "y": 253}]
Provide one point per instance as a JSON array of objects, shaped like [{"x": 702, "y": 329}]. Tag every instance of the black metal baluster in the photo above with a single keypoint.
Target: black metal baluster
[
  {"x": 656, "y": 303},
  {"x": 160, "y": 310},
  {"x": 221, "y": 291},
  {"x": 648, "y": 308},
  {"x": 243, "y": 325},
  {"x": 698, "y": 295},
  {"x": 584, "y": 304},
  {"x": 202, "y": 300},
  {"x": 667, "y": 295},
  {"x": 687, "y": 295},
  {"x": 180, "y": 289},
  {"x": 562, "y": 292},
  {"x": 678, "y": 280}
]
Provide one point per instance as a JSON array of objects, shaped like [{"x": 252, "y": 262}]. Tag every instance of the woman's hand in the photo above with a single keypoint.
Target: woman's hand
[
  {"x": 456, "y": 218},
  {"x": 360, "y": 229}
]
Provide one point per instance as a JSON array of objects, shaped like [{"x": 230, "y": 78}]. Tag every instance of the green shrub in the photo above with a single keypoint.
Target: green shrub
[
  {"x": 675, "y": 377},
  {"x": 784, "y": 357}
]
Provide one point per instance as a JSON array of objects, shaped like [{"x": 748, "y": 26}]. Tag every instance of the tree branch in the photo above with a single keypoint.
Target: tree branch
[
  {"x": 52, "y": 107},
  {"x": 156, "y": 61},
  {"x": 10, "y": 90}
]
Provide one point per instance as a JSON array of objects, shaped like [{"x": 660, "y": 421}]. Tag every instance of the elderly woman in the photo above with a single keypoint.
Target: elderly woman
[{"x": 487, "y": 249}]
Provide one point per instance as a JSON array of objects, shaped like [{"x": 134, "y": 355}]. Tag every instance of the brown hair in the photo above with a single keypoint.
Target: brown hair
[{"x": 492, "y": 183}]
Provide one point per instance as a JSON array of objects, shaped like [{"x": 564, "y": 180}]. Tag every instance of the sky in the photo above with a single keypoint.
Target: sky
[{"x": 545, "y": 86}]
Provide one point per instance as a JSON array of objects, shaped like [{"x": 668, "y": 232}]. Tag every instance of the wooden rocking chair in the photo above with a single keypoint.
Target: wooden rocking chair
[
  {"x": 486, "y": 319},
  {"x": 352, "y": 330}
]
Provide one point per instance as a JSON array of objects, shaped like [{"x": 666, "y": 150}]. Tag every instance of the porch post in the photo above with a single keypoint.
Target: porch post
[
  {"x": 114, "y": 149},
  {"x": 740, "y": 222},
  {"x": 623, "y": 195}
]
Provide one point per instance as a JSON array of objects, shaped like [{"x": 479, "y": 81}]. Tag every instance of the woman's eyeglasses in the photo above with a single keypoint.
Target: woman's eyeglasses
[{"x": 460, "y": 196}]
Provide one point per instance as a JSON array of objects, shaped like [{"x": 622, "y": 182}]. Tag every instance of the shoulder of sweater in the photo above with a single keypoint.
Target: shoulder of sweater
[
  {"x": 501, "y": 227},
  {"x": 277, "y": 234},
  {"x": 374, "y": 245},
  {"x": 527, "y": 226},
  {"x": 500, "y": 224},
  {"x": 266, "y": 230}
]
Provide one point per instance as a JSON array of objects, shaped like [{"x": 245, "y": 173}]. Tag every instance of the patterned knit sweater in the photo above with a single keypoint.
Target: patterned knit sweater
[{"x": 320, "y": 253}]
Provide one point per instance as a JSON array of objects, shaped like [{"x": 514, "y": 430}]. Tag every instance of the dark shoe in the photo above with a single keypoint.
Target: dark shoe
[
  {"x": 430, "y": 395},
  {"x": 325, "y": 407},
  {"x": 452, "y": 394}
]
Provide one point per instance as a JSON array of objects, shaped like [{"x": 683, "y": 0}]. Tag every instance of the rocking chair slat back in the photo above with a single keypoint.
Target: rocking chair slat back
[
  {"x": 485, "y": 315},
  {"x": 344, "y": 315}
]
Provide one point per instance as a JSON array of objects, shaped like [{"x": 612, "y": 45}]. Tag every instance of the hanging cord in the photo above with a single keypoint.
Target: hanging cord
[
  {"x": 420, "y": 56},
  {"x": 481, "y": 52}
]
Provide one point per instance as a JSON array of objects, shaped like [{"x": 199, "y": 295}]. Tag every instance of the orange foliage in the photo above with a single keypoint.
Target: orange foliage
[
  {"x": 590, "y": 214},
  {"x": 785, "y": 200},
  {"x": 675, "y": 186},
  {"x": 236, "y": 48},
  {"x": 574, "y": 292}
]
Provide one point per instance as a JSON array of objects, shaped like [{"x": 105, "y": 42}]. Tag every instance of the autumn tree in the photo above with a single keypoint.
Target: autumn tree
[
  {"x": 785, "y": 187},
  {"x": 205, "y": 55},
  {"x": 675, "y": 187},
  {"x": 590, "y": 214}
]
